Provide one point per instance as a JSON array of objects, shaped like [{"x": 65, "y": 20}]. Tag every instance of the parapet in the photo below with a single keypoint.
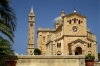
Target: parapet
[{"x": 45, "y": 29}]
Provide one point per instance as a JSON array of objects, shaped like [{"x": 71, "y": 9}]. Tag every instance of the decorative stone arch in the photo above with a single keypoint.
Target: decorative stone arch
[
  {"x": 78, "y": 46},
  {"x": 59, "y": 53},
  {"x": 31, "y": 52},
  {"x": 89, "y": 52}
]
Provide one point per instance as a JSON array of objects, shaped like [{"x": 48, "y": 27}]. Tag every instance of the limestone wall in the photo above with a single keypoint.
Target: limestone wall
[
  {"x": 97, "y": 64},
  {"x": 29, "y": 60}
]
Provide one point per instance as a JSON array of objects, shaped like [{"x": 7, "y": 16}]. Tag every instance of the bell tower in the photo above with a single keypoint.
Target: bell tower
[{"x": 31, "y": 31}]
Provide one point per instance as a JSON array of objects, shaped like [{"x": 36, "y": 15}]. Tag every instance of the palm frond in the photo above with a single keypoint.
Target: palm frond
[
  {"x": 7, "y": 14},
  {"x": 8, "y": 34},
  {"x": 6, "y": 30},
  {"x": 7, "y": 19},
  {"x": 5, "y": 46}
]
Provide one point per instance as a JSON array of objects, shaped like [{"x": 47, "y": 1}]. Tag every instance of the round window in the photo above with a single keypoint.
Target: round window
[{"x": 74, "y": 28}]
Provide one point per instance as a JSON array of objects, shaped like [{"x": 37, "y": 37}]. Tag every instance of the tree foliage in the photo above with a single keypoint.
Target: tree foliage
[
  {"x": 7, "y": 19},
  {"x": 7, "y": 27},
  {"x": 89, "y": 56},
  {"x": 37, "y": 51},
  {"x": 5, "y": 46},
  {"x": 5, "y": 51}
]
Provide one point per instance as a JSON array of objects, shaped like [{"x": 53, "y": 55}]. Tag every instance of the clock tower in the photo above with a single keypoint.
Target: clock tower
[{"x": 31, "y": 31}]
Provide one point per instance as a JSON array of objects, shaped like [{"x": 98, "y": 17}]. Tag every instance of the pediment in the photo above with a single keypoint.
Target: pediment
[
  {"x": 78, "y": 41},
  {"x": 75, "y": 13}
]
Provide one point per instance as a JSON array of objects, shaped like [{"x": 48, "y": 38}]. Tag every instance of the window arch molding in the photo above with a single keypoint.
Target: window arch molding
[{"x": 59, "y": 53}]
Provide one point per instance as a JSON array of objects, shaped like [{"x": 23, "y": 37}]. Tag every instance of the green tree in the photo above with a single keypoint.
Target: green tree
[
  {"x": 5, "y": 51},
  {"x": 37, "y": 52},
  {"x": 7, "y": 19},
  {"x": 5, "y": 46},
  {"x": 7, "y": 27}
]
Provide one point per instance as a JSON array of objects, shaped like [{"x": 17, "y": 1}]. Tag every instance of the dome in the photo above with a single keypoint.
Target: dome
[{"x": 58, "y": 20}]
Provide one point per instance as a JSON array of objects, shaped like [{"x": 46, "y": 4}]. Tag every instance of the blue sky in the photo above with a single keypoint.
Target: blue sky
[{"x": 45, "y": 13}]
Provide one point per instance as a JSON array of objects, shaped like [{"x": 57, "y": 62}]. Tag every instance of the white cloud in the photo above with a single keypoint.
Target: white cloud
[{"x": 16, "y": 54}]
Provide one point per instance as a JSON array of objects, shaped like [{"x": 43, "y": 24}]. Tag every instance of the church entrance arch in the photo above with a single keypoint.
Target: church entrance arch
[{"x": 78, "y": 51}]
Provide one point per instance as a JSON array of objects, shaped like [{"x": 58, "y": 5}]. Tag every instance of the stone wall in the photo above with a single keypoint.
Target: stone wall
[
  {"x": 29, "y": 60},
  {"x": 97, "y": 64}
]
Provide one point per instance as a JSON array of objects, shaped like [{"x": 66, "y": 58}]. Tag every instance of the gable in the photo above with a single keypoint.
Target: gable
[
  {"x": 75, "y": 13},
  {"x": 78, "y": 41}
]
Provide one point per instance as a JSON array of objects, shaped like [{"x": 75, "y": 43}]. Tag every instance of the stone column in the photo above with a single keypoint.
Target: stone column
[
  {"x": 73, "y": 52},
  {"x": 82, "y": 52},
  {"x": 96, "y": 51}
]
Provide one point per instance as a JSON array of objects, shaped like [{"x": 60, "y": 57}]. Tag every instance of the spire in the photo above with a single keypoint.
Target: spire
[
  {"x": 74, "y": 9},
  {"x": 32, "y": 12},
  {"x": 31, "y": 9}
]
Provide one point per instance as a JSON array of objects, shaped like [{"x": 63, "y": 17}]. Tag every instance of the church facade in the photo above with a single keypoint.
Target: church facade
[{"x": 69, "y": 37}]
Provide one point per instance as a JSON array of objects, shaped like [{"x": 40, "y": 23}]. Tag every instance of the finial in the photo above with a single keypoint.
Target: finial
[
  {"x": 31, "y": 9},
  {"x": 31, "y": 12},
  {"x": 74, "y": 9},
  {"x": 63, "y": 10}
]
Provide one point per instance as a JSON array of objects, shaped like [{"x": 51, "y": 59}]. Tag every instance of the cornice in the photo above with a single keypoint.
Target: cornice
[
  {"x": 75, "y": 35},
  {"x": 59, "y": 38},
  {"x": 31, "y": 21},
  {"x": 59, "y": 27},
  {"x": 78, "y": 40},
  {"x": 31, "y": 44}
]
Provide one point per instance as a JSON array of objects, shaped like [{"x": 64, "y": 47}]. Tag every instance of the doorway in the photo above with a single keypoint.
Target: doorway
[{"x": 78, "y": 51}]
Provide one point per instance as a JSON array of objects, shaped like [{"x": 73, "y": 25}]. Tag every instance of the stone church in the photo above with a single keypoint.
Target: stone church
[{"x": 70, "y": 36}]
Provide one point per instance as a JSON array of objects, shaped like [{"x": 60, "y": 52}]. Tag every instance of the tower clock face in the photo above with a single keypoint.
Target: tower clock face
[
  {"x": 31, "y": 25},
  {"x": 74, "y": 28}
]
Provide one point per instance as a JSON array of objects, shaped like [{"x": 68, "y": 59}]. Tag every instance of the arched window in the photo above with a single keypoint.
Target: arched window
[
  {"x": 43, "y": 38},
  {"x": 74, "y": 20},
  {"x": 31, "y": 24},
  {"x": 89, "y": 52},
  {"x": 31, "y": 52},
  {"x": 88, "y": 45},
  {"x": 70, "y": 21},
  {"x": 79, "y": 22},
  {"x": 58, "y": 45},
  {"x": 59, "y": 53}
]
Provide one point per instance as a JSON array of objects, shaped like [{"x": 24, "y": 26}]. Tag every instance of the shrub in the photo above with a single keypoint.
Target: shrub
[
  {"x": 89, "y": 56},
  {"x": 37, "y": 52}
]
